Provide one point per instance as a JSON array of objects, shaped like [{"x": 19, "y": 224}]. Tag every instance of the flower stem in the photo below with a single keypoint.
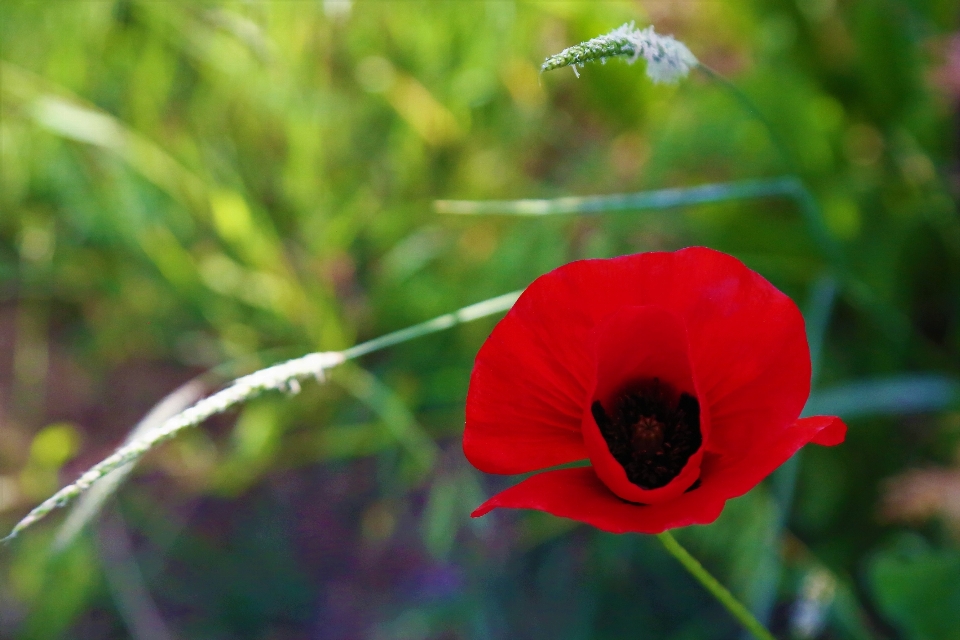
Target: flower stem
[{"x": 711, "y": 584}]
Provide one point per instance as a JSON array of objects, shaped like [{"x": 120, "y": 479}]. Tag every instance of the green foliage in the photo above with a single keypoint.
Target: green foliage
[
  {"x": 57, "y": 588},
  {"x": 918, "y": 589},
  {"x": 190, "y": 186}
]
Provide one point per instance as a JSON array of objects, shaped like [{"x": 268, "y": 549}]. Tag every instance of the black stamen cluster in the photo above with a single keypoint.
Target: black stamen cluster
[{"x": 651, "y": 432}]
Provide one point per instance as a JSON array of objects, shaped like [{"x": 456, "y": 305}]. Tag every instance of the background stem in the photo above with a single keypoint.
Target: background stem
[{"x": 720, "y": 592}]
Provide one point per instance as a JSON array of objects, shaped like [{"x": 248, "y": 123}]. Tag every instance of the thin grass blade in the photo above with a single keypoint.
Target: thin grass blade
[
  {"x": 784, "y": 186},
  {"x": 896, "y": 395}
]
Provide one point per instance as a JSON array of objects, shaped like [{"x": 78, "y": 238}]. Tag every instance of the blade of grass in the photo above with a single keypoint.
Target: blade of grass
[
  {"x": 657, "y": 199},
  {"x": 895, "y": 395},
  {"x": 893, "y": 323},
  {"x": 823, "y": 295},
  {"x": 126, "y": 583}
]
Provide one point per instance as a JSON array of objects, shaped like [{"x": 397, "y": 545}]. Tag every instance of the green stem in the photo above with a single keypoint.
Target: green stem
[
  {"x": 465, "y": 314},
  {"x": 802, "y": 195},
  {"x": 892, "y": 322},
  {"x": 753, "y": 110},
  {"x": 717, "y": 590}
]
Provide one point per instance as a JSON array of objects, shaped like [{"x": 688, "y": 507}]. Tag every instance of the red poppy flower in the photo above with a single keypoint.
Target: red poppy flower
[{"x": 680, "y": 376}]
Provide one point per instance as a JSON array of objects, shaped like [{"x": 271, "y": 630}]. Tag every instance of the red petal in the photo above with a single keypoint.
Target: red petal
[
  {"x": 631, "y": 344},
  {"x": 529, "y": 386},
  {"x": 748, "y": 345},
  {"x": 529, "y": 381},
  {"x": 580, "y": 495},
  {"x": 526, "y": 394},
  {"x": 733, "y": 475},
  {"x": 832, "y": 432}
]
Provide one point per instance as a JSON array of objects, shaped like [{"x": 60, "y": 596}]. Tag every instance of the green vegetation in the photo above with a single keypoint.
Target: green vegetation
[{"x": 205, "y": 189}]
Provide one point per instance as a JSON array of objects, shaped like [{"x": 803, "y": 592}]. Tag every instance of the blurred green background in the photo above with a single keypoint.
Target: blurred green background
[{"x": 204, "y": 188}]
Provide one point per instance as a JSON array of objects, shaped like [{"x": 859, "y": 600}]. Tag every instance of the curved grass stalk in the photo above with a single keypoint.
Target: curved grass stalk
[
  {"x": 808, "y": 205},
  {"x": 446, "y": 321},
  {"x": 285, "y": 376},
  {"x": 751, "y": 108},
  {"x": 91, "y": 502}
]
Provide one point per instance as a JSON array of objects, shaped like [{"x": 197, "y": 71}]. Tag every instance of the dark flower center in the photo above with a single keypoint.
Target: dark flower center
[{"x": 650, "y": 431}]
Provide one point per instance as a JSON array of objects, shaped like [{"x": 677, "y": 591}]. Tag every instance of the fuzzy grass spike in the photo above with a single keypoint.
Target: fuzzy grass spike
[{"x": 668, "y": 59}]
